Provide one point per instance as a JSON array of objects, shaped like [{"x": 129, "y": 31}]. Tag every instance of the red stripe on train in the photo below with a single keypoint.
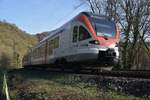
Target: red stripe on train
[{"x": 103, "y": 41}]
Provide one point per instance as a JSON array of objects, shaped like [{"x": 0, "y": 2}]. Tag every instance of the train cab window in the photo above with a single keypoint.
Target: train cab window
[
  {"x": 83, "y": 33},
  {"x": 75, "y": 34}
]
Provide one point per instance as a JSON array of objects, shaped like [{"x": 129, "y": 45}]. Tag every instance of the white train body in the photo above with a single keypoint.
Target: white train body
[{"x": 86, "y": 38}]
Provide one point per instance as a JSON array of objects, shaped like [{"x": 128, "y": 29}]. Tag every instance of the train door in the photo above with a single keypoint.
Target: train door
[
  {"x": 84, "y": 37},
  {"x": 74, "y": 43}
]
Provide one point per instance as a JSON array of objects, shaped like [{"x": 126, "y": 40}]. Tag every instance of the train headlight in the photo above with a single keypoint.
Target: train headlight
[
  {"x": 112, "y": 46},
  {"x": 95, "y": 42}
]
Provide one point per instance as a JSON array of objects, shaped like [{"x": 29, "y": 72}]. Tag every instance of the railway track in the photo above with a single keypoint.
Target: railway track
[
  {"x": 129, "y": 73},
  {"x": 144, "y": 74},
  {"x": 129, "y": 82}
]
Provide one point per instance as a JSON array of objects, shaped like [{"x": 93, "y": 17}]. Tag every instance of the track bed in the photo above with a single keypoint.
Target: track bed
[{"x": 37, "y": 84}]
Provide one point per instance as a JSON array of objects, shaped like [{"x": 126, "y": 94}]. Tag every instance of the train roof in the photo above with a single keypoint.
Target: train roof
[
  {"x": 88, "y": 14},
  {"x": 58, "y": 30},
  {"x": 92, "y": 15}
]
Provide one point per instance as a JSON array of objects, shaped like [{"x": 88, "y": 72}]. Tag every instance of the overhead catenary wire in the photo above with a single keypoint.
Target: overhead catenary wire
[{"x": 68, "y": 14}]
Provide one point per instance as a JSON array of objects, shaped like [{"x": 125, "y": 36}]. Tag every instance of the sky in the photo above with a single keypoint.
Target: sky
[{"x": 36, "y": 16}]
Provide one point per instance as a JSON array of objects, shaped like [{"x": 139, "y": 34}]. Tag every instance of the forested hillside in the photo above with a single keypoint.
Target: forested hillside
[
  {"x": 14, "y": 43},
  {"x": 40, "y": 36}
]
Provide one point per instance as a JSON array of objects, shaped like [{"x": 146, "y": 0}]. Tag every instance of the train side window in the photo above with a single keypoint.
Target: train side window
[
  {"x": 83, "y": 34},
  {"x": 50, "y": 47},
  {"x": 56, "y": 42},
  {"x": 42, "y": 51},
  {"x": 75, "y": 34}
]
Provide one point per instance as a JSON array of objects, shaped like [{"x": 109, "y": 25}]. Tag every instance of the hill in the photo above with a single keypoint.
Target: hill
[
  {"x": 14, "y": 43},
  {"x": 42, "y": 35}
]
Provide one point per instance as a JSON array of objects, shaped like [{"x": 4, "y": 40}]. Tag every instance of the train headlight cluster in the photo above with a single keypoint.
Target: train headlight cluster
[
  {"x": 112, "y": 46},
  {"x": 95, "y": 42}
]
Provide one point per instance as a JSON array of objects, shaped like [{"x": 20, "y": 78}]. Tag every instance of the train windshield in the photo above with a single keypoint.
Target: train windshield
[{"x": 104, "y": 27}]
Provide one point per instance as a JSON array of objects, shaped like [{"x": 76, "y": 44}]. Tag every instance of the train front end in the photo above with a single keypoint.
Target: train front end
[
  {"x": 107, "y": 37},
  {"x": 105, "y": 40}
]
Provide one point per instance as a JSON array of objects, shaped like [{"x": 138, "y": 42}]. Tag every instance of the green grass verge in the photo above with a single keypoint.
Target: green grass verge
[
  {"x": 2, "y": 71},
  {"x": 1, "y": 79},
  {"x": 60, "y": 87}
]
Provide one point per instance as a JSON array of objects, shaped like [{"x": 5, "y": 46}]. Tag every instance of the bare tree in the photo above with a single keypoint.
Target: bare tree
[
  {"x": 97, "y": 6},
  {"x": 16, "y": 56}
]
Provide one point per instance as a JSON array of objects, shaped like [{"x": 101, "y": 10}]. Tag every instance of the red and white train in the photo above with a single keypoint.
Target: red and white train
[{"x": 87, "y": 38}]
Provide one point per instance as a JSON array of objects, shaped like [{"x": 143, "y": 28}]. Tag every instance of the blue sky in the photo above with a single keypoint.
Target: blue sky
[{"x": 35, "y": 16}]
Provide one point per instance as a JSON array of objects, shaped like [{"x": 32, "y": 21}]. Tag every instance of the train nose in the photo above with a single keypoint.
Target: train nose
[
  {"x": 108, "y": 53},
  {"x": 108, "y": 57}
]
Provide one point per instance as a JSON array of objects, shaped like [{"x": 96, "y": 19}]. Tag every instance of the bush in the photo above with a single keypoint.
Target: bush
[
  {"x": 1, "y": 81},
  {"x": 5, "y": 61}
]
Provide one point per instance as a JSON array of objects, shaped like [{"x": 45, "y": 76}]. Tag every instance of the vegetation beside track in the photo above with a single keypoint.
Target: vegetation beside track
[
  {"x": 14, "y": 43},
  {"x": 1, "y": 83},
  {"x": 1, "y": 80},
  {"x": 4, "y": 92},
  {"x": 38, "y": 85}
]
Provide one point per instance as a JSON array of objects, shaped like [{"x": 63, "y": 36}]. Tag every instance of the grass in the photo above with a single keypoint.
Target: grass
[
  {"x": 1, "y": 79},
  {"x": 1, "y": 84},
  {"x": 59, "y": 87}
]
